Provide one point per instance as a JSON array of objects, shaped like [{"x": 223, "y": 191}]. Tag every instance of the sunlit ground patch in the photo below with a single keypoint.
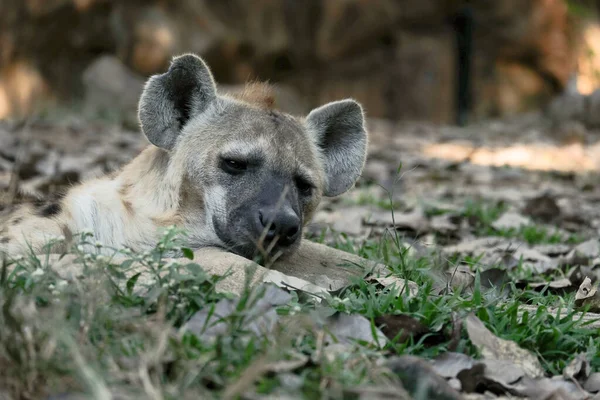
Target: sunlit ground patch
[{"x": 569, "y": 158}]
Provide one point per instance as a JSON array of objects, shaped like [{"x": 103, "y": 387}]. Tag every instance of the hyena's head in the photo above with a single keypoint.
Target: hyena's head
[{"x": 253, "y": 175}]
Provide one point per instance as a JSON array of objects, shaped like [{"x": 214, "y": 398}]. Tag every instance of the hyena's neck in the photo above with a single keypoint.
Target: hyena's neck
[
  {"x": 151, "y": 182},
  {"x": 129, "y": 208}
]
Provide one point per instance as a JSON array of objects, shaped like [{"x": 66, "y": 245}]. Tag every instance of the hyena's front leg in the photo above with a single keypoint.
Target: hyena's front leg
[
  {"x": 217, "y": 261},
  {"x": 311, "y": 263},
  {"x": 318, "y": 264},
  {"x": 24, "y": 232}
]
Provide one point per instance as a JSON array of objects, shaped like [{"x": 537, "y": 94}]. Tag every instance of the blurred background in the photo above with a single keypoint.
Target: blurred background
[
  {"x": 442, "y": 61},
  {"x": 493, "y": 100}
]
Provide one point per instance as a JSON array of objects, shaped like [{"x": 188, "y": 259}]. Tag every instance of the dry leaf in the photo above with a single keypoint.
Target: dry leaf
[
  {"x": 552, "y": 250},
  {"x": 331, "y": 285},
  {"x": 479, "y": 245},
  {"x": 287, "y": 365},
  {"x": 293, "y": 283},
  {"x": 503, "y": 372},
  {"x": 587, "y": 295},
  {"x": 461, "y": 277},
  {"x": 420, "y": 379},
  {"x": 451, "y": 365},
  {"x": 260, "y": 318},
  {"x": 586, "y": 290},
  {"x": 578, "y": 274},
  {"x": 415, "y": 220},
  {"x": 556, "y": 388},
  {"x": 494, "y": 278},
  {"x": 347, "y": 220},
  {"x": 347, "y": 328},
  {"x": 387, "y": 392},
  {"x": 402, "y": 327},
  {"x": 561, "y": 283},
  {"x": 334, "y": 350},
  {"x": 401, "y": 286},
  {"x": 443, "y": 224},
  {"x": 589, "y": 249},
  {"x": 495, "y": 348},
  {"x": 579, "y": 368},
  {"x": 534, "y": 260},
  {"x": 583, "y": 254},
  {"x": 510, "y": 220}
]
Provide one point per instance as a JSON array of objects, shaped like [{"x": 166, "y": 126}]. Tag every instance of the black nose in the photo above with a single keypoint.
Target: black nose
[{"x": 281, "y": 224}]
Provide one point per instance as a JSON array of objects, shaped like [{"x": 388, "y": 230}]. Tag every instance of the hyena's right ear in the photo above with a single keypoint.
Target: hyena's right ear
[{"x": 169, "y": 100}]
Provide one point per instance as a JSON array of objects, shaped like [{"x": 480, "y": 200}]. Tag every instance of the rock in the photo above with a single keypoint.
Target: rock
[
  {"x": 567, "y": 107},
  {"x": 110, "y": 87}
]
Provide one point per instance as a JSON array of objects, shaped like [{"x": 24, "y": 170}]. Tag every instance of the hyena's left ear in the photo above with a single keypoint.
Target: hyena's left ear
[
  {"x": 338, "y": 128},
  {"x": 169, "y": 100}
]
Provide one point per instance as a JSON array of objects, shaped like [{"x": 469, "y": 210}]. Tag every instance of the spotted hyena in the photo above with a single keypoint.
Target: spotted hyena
[{"x": 233, "y": 172}]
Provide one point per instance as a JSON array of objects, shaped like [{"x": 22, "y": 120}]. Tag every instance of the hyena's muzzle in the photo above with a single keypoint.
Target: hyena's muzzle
[
  {"x": 277, "y": 217},
  {"x": 265, "y": 220}
]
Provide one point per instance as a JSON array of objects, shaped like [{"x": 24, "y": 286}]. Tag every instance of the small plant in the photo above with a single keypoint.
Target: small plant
[
  {"x": 483, "y": 214},
  {"x": 118, "y": 323}
]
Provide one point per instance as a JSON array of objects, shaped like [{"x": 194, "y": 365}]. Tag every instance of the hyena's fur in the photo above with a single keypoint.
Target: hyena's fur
[{"x": 216, "y": 166}]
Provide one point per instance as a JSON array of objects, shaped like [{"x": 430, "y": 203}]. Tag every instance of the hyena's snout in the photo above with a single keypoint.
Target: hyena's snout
[{"x": 278, "y": 225}]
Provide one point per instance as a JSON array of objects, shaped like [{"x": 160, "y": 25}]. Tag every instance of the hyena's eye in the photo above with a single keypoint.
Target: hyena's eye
[
  {"x": 232, "y": 166},
  {"x": 304, "y": 187}
]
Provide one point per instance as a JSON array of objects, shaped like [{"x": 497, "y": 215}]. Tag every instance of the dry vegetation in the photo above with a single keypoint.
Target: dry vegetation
[{"x": 480, "y": 300}]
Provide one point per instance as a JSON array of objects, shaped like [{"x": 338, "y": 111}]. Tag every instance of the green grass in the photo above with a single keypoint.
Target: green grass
[
  {"x": 112, "y": 332},
  {"x": 482, "y": 214},
  {"x": 365, "y": 198},
  {"x": 535, "y": 234},
  {"x": 539, "y": 332}
]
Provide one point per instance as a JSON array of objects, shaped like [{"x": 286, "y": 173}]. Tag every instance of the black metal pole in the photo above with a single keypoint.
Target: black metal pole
[{"x": 463, "y": 26}]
